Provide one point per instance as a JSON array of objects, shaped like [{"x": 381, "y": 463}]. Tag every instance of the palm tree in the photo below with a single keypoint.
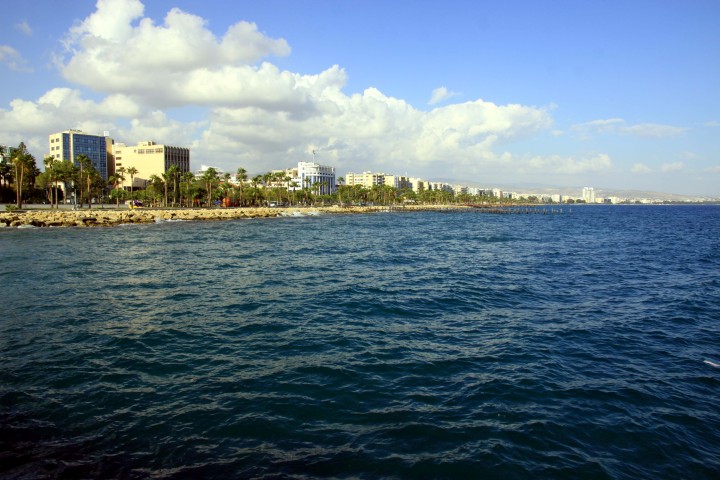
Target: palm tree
[
  {"x": 155, "y": 185},
  {"x": 114, "y": 180},
  {"x": 241, "y": 177},
  {"x": 50, "y": 172},
  {"x": 256, "y": 181},
  {"x": 132, "y": 171},
  {"x": 23, "y": 163},
  {"x": 174, "y": 173},
  {"x": 188, "y": 178},
  {"x": 210, "y": 177},
  {"x": 166, "y": 178}
]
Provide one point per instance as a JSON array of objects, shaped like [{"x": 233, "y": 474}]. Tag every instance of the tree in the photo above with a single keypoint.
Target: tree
[
  {"x": 188, "y": 177},
  {"x": 210, "y": 178},
  {"x": 24, "y": 168},
  {"x": 132, "y": 171},
  {"x": 116, "y": 180},
  {"x": 166, "y": 178},
  {"x": 154, "y": 189},
  {"x": 5, "y": 173},
  {"x": 87, "y": 176},
  {"x": 241, "y": 177},
  {"x": 174, "y": 174}
]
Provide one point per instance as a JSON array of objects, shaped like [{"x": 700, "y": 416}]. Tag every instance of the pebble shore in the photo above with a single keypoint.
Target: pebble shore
[{"x": 98, "y": 217}]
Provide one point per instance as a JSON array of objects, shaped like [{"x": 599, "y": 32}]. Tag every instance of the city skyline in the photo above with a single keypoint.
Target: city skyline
[{"x": 607, "y": 94}]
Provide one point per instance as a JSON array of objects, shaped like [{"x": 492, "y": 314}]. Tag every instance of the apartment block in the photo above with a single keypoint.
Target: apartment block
[{"x": 69, "y": 144}]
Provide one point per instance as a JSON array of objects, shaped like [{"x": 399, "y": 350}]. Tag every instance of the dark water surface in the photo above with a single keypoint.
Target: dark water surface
[{"x": 401, "y": 345}]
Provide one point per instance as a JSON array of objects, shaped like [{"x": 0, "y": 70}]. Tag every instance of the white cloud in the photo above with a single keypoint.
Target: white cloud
[
  {"x": 618, "y": 126},
  {"x": 640, "y": 168},
  {"x": 63, "y": 108},
  {"x": 715, "y": 169},
  {"x": 440, "y": 94},
  {"x": 373, "y": 130},
  {"x": 672, "y": 167},
  {"x": 253, "y": 114},
  {"x": 13, "y": 59},
  {"x": 117, "y": 50},
  {"x": 559, "y": 165},
  {"x": 24, "y": 28},
  {"x": 712, "y": 124}
]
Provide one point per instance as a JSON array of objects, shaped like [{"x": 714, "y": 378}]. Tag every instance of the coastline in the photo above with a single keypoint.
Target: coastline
[{"x": 99, "y": 217}]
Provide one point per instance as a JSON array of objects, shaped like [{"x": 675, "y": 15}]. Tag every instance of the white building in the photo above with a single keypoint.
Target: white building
[
  {"x": 310, "y": 174},
  {"x": 588, "y": 194}
]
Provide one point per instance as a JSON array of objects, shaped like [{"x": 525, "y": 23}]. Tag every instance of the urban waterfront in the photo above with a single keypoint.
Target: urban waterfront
[{"x": 386, "y": 345}]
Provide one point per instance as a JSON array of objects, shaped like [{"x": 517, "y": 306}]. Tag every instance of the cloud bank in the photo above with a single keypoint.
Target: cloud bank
[{"x": 251, "y": 113}]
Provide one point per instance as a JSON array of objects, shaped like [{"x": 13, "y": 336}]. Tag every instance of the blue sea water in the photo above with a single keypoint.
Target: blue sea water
[{"x": 393, "y": 345}]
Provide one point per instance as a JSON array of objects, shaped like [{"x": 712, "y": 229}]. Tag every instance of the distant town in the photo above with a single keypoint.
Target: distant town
[{"x": 85, "y": 168}]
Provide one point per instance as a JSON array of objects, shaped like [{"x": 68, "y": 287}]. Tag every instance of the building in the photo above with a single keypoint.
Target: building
[
  {"x": 397, "y": 181},
  {"x": 365, "y": 179},
  {"x": 69, "y": 144},
  {"x": 588, "y": 194},
  {"x": 5, "y": 153},
  {"x": 311, "y": 173},
  {"x": 149, "y": 159}
]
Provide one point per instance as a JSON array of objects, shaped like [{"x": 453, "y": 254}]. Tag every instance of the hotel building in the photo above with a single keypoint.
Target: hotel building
[
  {"x": 310, "y": 174},
  {"x": 69, "y": 144},
  {"x": 149, "y": 159},
  {"x": 370, "y": 179}
]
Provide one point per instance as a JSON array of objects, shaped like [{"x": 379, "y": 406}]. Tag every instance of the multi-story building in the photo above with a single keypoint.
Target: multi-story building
[
  {"x": 417, "y": 184},
  {"x": 588, "y": 194},
  {"x": 397, "y": 181},
  {"x": 149, "y": 159},
  {"x": 6, "y": 153},
  {"x": 365, "y": 179},
  {"x": 69, "y": 144},
  {"x": 311, "y": 174}
]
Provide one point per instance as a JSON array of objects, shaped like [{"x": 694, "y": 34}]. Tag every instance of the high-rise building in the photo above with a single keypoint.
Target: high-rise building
[
  {"x": 366, "y": 179},
  {"x": 149, "y": 159},
  {"x": 310, "y": 174},
  {"x": 69, "y": 144},
  {"x": 588, "y": 194}
]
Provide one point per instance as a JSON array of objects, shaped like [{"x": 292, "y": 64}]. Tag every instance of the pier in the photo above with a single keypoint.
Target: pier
[{"x": 518, "y": 209}]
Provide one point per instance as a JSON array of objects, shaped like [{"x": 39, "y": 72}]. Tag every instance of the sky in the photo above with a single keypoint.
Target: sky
[{"x": 609, "y": 94}]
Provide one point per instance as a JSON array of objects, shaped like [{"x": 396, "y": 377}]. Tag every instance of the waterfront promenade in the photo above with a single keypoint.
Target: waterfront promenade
[{"x": 110, "y": 215}]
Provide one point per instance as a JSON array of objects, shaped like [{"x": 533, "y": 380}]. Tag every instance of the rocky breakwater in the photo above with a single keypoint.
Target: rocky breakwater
[{"x": 110, "y": 217}]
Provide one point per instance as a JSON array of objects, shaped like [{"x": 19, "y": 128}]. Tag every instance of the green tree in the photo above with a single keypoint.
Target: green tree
[
  {"x": 24, "y": 171},
  {"x": 115, "y": 180},
  {"x": 86, "y": 177},
  {"x": 188, "y": 177},
  {"x": 241, "y": 177},
  {"x": 210, "y": 179},
  {"x": 174, "y": 172},
  {"x": 154, "y": 190},
  {"x": 132, "y": 171}
]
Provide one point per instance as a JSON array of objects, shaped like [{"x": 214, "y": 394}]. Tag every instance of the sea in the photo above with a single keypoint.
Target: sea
[{"x": 580, "y": 342}]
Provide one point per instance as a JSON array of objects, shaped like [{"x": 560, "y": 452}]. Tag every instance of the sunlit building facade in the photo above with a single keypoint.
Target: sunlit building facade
[
  {"x": 149, "y": 158},
  {"x": 68, "y": 145}
]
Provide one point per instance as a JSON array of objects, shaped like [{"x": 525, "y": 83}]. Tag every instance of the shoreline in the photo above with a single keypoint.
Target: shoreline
[{"x": 98, "y": 217}]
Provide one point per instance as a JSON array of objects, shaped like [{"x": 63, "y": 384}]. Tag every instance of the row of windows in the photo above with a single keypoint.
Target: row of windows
[{"x": 149, "y": 150}]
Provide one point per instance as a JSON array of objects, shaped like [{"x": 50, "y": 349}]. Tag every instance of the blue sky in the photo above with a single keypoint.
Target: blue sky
[{"x": 601, "y": 93}]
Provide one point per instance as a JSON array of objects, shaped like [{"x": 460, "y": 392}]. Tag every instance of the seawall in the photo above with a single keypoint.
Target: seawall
[{"x": 98, "y": 217}]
